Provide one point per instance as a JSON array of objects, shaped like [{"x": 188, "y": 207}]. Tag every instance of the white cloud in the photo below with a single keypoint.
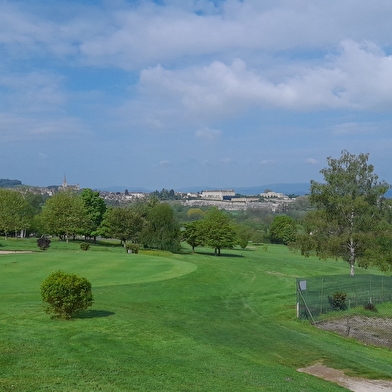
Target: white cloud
[
  {"x": 355, "y": 128},
  {"x": 312, "y": 161},
  {"x": 208, "y": 133},
  {"x": 17, "y": 128},
  {"x": 267, "y": 161},
  {"x": 164, "y": 163},
  {"x": 360, "y": 77}
]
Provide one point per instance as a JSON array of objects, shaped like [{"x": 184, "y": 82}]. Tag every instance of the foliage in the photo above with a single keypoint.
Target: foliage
[
  {"x": 123, "y": 223},
  {"x": 64, "y": 215},
  {"x": 84, "y": 246},
  {"x": 338, "y": 300},
  {"x": 193, "y": 234},
  {"x": 43, "y": 243},
  {"x": 66, "y": 294},
  {"x": 217, "y": 230},
  {"x": 282, "y": 230},
  {"x": 15, "y": 214},
  {"x": 371, "y": 307},
  {"x": 134, "y": 248},
  {"x": 244, "y": 234},
  {"x": 95, "y": 209},
  {"x": 162, "y": 230},
  {"x": 195, "y": 214},
  {"x": 350, "y": 212},
  {"x": 165, "y": 194}
]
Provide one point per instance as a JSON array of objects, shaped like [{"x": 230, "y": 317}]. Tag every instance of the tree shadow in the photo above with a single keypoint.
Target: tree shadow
[{"x": 93, "y": 313}]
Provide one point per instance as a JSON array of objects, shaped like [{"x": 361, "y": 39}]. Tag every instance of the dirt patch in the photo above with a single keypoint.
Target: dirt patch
[
  {"x": 369, "y": 330},
  {"x": 355, "y": 384}
]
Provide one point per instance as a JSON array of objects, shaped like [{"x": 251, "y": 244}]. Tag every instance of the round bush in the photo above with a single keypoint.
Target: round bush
[
  {"x": 84, "y": 246},
  {"x": 66, "y": 294},
  {"x": 43, "y": 243}
]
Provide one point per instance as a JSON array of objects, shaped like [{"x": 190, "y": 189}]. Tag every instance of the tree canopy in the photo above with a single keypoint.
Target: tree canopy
[
  {"x": 123, "y": 223},
  {"x": 350, "y": 215},
  {"x": 64, "y": 215},
  {"x": 95, "y": 209},
  {"x": 217, "y": 230},
  {"x": 162, "y": 230},
  {"x": 15, "y": 211}
]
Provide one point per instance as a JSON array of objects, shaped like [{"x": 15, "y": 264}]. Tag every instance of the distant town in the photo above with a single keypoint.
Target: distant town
[{"x": 227, "y": 199}]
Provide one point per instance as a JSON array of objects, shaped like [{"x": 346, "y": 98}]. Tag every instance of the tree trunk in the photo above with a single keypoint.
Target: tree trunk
[{"x": 352, "y": 256}]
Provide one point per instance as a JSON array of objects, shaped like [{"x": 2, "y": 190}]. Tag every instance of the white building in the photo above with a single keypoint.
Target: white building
[
  {"x": 217, "y": 194},
  {"x": 273, "y": 195}
]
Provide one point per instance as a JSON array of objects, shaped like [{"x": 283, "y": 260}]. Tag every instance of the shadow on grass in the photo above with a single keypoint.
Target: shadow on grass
[{"x": 94, "y": 314}]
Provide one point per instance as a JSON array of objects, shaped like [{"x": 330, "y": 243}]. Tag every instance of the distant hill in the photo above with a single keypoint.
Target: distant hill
[
  {"x": 5, "y": 183},
  {"x": 288, "y": 189}
]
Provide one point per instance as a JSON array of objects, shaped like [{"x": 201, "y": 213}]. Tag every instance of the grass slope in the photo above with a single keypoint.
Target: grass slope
[{"x": 163, "y": 322}]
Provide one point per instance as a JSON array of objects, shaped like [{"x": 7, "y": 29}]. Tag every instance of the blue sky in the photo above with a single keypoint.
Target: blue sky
[{"x": 183, "y": 93}]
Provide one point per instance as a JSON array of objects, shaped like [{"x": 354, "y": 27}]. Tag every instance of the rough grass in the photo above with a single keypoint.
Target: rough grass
[{"x": 165, "y": 322}]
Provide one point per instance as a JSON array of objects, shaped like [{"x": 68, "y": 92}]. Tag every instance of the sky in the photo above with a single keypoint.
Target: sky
[{"x": 187, "y": 93}]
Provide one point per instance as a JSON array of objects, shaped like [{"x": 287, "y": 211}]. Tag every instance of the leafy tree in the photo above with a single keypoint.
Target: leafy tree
[
  {"x": 193, "y": 234},
  {"x": 15, "y": 214},
  {"x": 244, "y": 234},
  {"x": 123, "y": 223},
  {"x": 195, "y": 214},
  {"x": 66, "y": 294},
  {"x": 162, "y": 230},
  {"x": 64, "y": 215},
  {"x": 350, "y": 212},
  {"x": 217, "y": 230},
  {"x": 95, "y": 209},
  {"x": 283, "y": 230}
]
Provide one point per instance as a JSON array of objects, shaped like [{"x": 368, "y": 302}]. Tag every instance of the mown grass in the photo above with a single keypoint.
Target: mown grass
[{"x": 170, "y": 322}]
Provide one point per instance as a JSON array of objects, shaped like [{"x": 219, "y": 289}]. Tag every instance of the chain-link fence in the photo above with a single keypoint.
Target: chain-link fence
[
  {"x": 349, "y": 297},
  {"x": 320, "y": 295}
]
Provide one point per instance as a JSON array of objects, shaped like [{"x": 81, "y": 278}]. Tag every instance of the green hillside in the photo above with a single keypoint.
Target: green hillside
[{"x": 170, "y": 322}]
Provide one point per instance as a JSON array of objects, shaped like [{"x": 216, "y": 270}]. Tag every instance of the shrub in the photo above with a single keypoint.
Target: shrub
[
  {"x": 66, "y": 294},
  {"x": 43, "y": 243},
  {"x": 370, "y": 306},
  {"x": 84, "y": 246},
  {"x": 338, "y": 300},
  {"x": 133, "y": 247}
]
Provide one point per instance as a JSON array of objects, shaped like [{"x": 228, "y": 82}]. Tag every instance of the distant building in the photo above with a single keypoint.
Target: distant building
[
  {"x": 273, "y": 195},
  {"x": 218, "y": 194},
  {"x": 65, "y": 186}
]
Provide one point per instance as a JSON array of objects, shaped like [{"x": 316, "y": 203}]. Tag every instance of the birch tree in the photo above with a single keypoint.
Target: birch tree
[{"x": 350, "y": 211}]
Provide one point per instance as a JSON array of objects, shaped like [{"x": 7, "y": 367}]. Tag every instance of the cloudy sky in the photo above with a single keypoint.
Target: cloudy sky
[{"x": 184, "y": 93}]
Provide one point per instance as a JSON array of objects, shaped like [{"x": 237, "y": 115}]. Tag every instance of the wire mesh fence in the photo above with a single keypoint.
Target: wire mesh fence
[
  {"x": 353, "y": 301},
  {"x": 320, "y": 295}
]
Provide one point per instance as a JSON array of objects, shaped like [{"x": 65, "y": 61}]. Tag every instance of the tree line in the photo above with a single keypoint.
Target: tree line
[{"x": 347, "y": 216}]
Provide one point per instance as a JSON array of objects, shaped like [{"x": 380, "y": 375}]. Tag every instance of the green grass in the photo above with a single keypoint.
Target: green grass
[{"x": 170, "y": 322}]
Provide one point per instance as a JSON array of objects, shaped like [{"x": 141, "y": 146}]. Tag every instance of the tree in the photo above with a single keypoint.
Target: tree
[
  {"x": 15, "y": 213},
  {"x": 193, "y": 234},
  {"x": 64, "y": 215},
  {"x": 95, "y": 209},
  {"x": 123, "y": 223},
  {"x": 217, "y": 230},
  {"x": 43, "y": 243},
  {"x": 162, "y": 230},
  {"x": 244, "y": 234},
  {"x": 282, "y": 230},
  {"x": 66, "y": 294},
  {"x": 350, "y": 212}
]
